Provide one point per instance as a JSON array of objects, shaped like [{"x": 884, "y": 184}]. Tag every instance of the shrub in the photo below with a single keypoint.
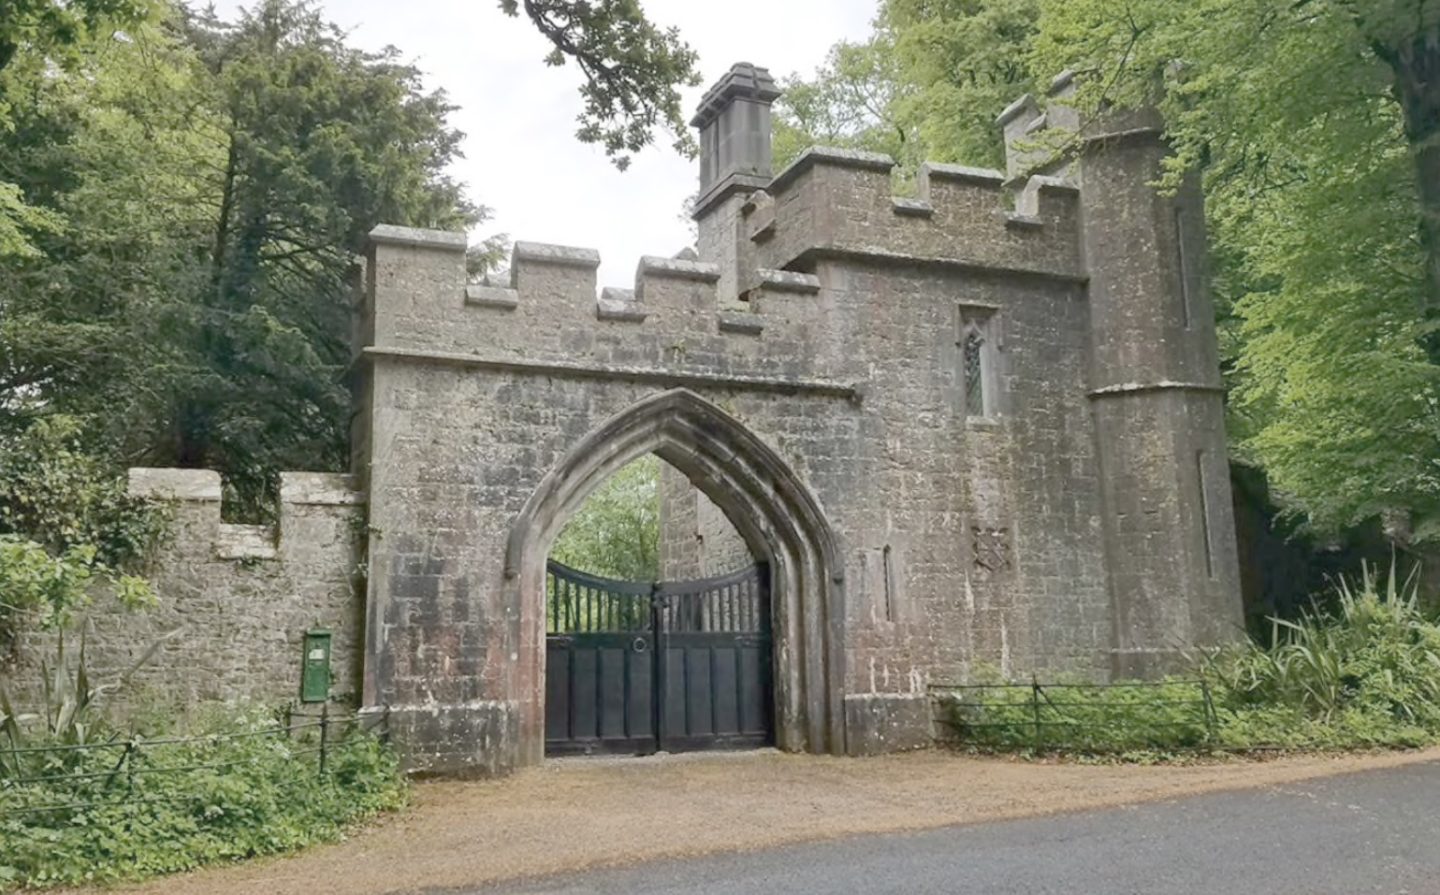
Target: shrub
[
  {"x": 1361, "y": 675},
  {"x": 1091, "y": 718},
  {"x": 1365, "y": 673},
  {"x": 239, "y": 790},
  {"x": 67, "y": 522}
]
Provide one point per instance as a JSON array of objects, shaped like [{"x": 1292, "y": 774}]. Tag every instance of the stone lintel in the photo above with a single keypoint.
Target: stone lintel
[
  {"x": 828, "y": 155},
  {"x": 887, "y": 256},
  {"x": 678, "y": 269},
  {"x": 787, "y": 281},
  {"x": 175, "y": 484},
  {"x": 319, "y": 489},
  {"x": 1164, "y": 385},
  {"x": 392, "y": 234},
  {"x": 497, "y": 297},
  {"x": 545, "y": 253},
  {"x": 619, "y": 304},
  {"x": 743, "y": 322},
  {"x": 668, "y": 377},
  {"x": 962, "y": 173}
]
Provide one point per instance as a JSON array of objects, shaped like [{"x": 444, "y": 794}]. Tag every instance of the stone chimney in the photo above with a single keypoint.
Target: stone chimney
[{"x": 734, "y": 124}]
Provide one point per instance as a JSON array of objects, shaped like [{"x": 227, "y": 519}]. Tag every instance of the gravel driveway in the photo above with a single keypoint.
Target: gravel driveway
[{"x": 581, "y": 813}]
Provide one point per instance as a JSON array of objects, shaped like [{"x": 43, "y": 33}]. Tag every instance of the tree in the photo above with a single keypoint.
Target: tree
[
  {"x": 66, "y": 522},
  {"x": 1317, "y": 125},
  {"x": 633, "y": 70},
  {"x": 56, "y": 31},
  {"x": 964, "y": 61},
  {"x": 216, "y": 182},
  {"x": 852, "y": 102},
  {"x": 927, "y": 85},
  {"x": 616, "y": 532}
]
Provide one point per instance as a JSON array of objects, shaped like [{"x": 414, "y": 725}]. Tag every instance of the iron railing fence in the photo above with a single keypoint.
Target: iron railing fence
[
  {"x": 1117, "y": 717},
  {"x": 114, "y": 771}
]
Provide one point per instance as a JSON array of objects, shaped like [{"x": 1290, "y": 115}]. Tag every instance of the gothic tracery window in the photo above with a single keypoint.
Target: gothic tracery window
[
  {"x": 976, "y": 344},
  {"x": 972, "y": 348}
]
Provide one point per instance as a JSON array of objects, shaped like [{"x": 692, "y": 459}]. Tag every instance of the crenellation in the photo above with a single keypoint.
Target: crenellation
[
  {"x": 787, "y": 281},
  {"x": 319, "y": 489},
  {"x": 987, "y": 178},
  {"x": 855, "y": 159},
  {"x": 415, "y": 237},
  {"x": 498, "y": 298},
  {"x": 908, "y": 207},
  {"x": 830, "y": 203},
  {"x": 246, "y": 542},
  {"x": 654, "y": 267},
  {"x": 620, "y": 304},
  {"x": 200, "y": 485},
  {"x": 234, "y": 599},
  {"x": 745, "y": 323}
]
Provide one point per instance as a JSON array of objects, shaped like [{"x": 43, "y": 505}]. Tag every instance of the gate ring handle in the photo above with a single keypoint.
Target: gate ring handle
[{"x": 640, "y": 645}]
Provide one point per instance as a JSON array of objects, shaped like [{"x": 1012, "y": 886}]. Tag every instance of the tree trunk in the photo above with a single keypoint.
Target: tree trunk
[
  {"x": 227, "y": 206},
  {"x": 1415, "y": 63}
]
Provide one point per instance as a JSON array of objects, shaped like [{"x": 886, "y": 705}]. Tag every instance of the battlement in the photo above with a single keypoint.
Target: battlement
[
  {"x": 552, "y": 310},
  {"x": 313, "y": 508},
  {"x": 831, "y": 202}
]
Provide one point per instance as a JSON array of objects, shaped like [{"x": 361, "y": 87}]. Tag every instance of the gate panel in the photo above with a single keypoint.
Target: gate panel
[
  {"x": 711, "y": 632},
  {"x": 599, "y": 664},
  {"x": 622, "y": 657}
]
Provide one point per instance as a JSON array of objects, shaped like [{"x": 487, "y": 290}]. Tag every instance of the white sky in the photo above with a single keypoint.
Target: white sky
[{"x": 521, "y": 156}]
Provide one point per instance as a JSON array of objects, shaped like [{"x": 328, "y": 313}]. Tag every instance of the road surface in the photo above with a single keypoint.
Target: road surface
[{"x": 1368, "y": 832}]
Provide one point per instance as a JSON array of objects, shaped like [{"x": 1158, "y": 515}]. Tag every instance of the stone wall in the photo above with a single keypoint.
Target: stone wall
[
  {"x": 696, "y": 539},
  {"x": 234, "y": 599}
]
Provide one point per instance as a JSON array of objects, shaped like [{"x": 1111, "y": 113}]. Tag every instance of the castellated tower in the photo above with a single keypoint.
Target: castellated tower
[{"x": 1154, "y": 378}]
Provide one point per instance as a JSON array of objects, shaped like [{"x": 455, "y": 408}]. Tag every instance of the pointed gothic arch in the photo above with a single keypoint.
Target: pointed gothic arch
[{"x": 769, "y": 505}]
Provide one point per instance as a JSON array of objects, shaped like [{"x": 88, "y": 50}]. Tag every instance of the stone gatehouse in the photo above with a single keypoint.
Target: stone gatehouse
[{"x": 979, "y": 426}]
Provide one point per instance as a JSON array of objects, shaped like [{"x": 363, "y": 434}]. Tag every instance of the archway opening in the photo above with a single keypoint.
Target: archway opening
[
  {"x": 658, "y": 623},
  {"x": 773, "y": 512}
]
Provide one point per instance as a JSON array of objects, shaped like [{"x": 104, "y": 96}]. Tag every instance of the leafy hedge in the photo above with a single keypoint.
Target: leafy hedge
[
  {"x": 248, "y": 791},
  {"x": 1070, "y": 714},
  {"x": 1363, "y": 673}
]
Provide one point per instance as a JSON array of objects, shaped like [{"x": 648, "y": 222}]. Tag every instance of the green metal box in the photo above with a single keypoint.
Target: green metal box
[{"x": 315, "y": 667}]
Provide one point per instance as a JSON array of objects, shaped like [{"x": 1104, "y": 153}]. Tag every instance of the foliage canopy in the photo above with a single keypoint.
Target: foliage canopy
[{"x": 1316, "y": 127}]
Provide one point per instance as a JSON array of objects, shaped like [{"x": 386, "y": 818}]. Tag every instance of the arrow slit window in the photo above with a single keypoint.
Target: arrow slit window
[{"x": 976, "y": 341}]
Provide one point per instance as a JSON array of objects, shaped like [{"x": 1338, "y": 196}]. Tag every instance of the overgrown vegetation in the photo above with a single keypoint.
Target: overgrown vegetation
[
  {"x": 66, "y": 524},
  {"x": 84, "y": 800},
  {"x": 1363, "y": 673},
  {"x": 228, "y": 789}
]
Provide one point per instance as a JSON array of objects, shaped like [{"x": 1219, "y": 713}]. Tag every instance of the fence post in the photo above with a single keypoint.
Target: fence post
[
  {"x": 122, "y": 763},
  {"x": 324, "y": 734},
  {"x": 1209, "y": 710},
  {"x": 1035, "y": 707}
]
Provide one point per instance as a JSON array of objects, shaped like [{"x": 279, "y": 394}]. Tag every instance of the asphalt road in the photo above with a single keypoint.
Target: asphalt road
[{"x": 1371, "y": 832}]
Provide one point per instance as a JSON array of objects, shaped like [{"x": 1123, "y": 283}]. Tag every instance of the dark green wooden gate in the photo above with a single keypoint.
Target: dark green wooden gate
[{"x": 638, "y": 667}]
